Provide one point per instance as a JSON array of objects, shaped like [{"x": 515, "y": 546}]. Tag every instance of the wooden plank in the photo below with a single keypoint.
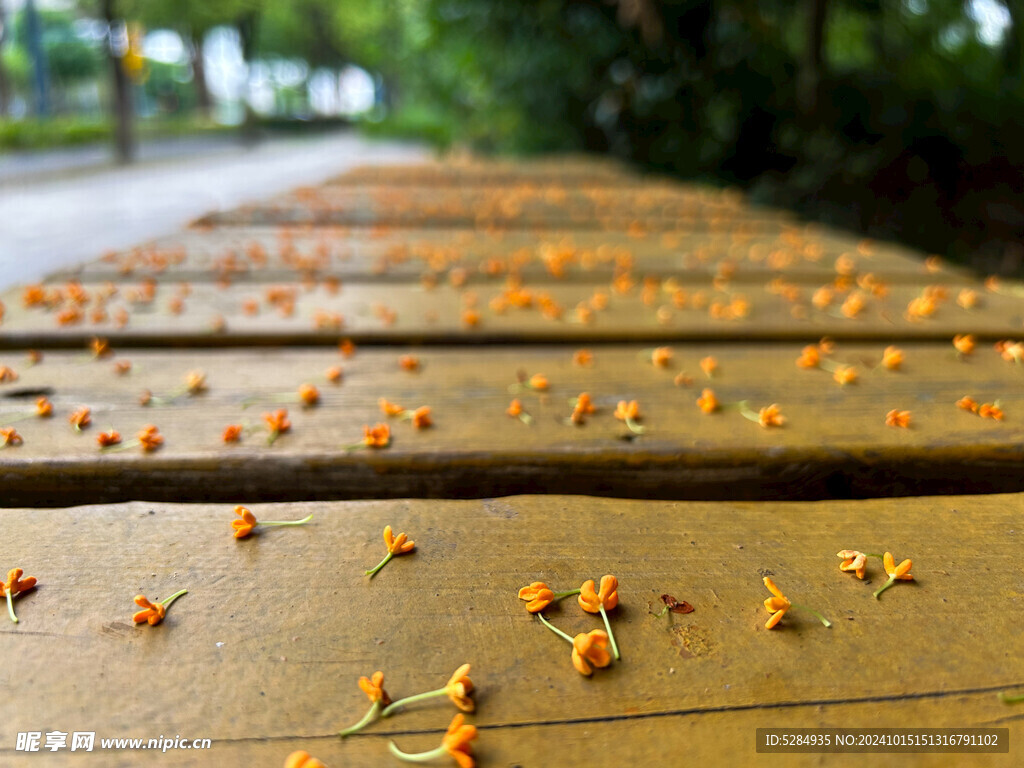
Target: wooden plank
[
  {"x": 834, "y": 443},
  {"x": 268, "y": 254},
  {"x": 653, "y": 206},
  {"x": 262, "y": 655},
  {"x": 564, "y": 169},
  {"x": 319, "y": 313},
  {"x": 713, "y": 738}
]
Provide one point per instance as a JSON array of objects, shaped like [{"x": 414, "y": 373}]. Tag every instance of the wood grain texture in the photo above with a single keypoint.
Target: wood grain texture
[
  {"x": 263, "y": 653},
  {"x": 396, "y": 313},
  {"x": 834, "y": 443},
  {"x": 802, "y": 254}
]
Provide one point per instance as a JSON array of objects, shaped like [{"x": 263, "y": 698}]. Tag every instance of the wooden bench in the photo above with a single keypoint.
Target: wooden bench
[{"x": 262, "y": 654}]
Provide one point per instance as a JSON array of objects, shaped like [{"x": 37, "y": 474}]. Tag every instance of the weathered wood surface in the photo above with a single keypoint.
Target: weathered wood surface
[
  {"x": 834, "y": 442},
  {"x": 210, "y": 314},
  {"x": 264, "y": 254},
  {"x": 263, "y": 653},
  {"x": 563, "y": 169}
]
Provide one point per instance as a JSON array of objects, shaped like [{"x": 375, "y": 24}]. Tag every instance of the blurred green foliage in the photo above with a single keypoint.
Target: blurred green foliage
[{"x": 902, "y": 122}]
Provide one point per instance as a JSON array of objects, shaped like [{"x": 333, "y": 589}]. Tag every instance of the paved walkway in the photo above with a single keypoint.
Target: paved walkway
[{"x": 57, "y": 222}]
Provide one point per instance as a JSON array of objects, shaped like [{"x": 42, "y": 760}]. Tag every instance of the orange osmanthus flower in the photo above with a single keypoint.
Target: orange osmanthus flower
[
  {"x": 153, "y": 613},
  {"x": 456, "y": 744},
  {"x": 661, "y": 356},
  {"x": 776, "y": 605},
  {"x": 247, "y": 523},
  {"x": 892, "y": 358},
  {"x": 896, "y": 573},
  {"x": 80, "y": 419},
  {"x": 770, "y": 416},
  {"x": 195, "y": 382},
  {"x": 627, "y": 411},
  {"x": 277, "y": 422},
  {"x": 100, "y": 347},
  {"x": 150, "y": 438},
  {"x": 538, "y": 381},
  {"x": 232, "y": 433},
  {"x": 421, "y": 417},
  {"x": 709, "y": 365},
  {"x": 607, "y": 598},
  {"x": 459, "y": 687},
  {"x": 964, "y": 343},
  {"x": 122, "y": 367},
  {"x": 967, "y": 403},
  {"x": 377, "y": 436},
  {"x": 389, "y": 408},
  {"x": 107, "y": 439},
  {"x": 582, "y": 408},
  {"x": 309, "y": 395},
  {"x": 15, "y": 585},
  {"x": 396, "y": 545},
  {"x": 7, "y": 374},
  {"x": 809, "y": 357},
  {"x": 44, "y": 407},
  {"x": 537, "y": 595},
  {"x": 302, "y": 759},
  {"x": 10, "y": 436},
  {"x": 589, "y": 650},
  {"x": 897, "y": 418},
  {"x": 583, "y": 358},
  {"x": 990, "y": 411},
  {"x": 374, "y": 688},
  {"x": 708, "y": 401},
  {"x": 853, "y": 561},
  {"x": 601, "y": 602},
  {"x": 845, "y": 374},
  {"x": 333, "y": 374},
  {"x": 409, "y": 363}
]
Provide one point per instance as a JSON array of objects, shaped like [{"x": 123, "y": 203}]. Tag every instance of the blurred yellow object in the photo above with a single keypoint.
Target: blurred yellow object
[{"x": 133, "y": 61}]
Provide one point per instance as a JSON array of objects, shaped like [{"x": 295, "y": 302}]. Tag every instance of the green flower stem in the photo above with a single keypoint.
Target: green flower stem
[
  {"x": 418, "y": 757},
  {"x": 526, "y": 418},
  {"x": 635, "y": 428},
  {"x": 884, "y": 587},
  {"x": 1010, "y": 699},
  {"x": 368, "y": 718},
  {"x": 166, "y": 602},
  {"x": 821, "y": 618},
  {"x": 20, "y": 417},
  {"x": 303, "y": 521},
  {"x": 412, "y": 699},
  {"x": 121, "y": 447},
  {"x": 560, "y": 595},
  {"x": 611, "y": 635},
  {"x": 747, "y": 413},
  {"x": 380, "y": 565},
  {"x": 553, "y": 628},
  {"x": 10, "y": 606}
]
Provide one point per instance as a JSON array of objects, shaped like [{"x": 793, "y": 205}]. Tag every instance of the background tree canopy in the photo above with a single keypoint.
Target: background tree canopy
[{"x": 895, "y": 117}]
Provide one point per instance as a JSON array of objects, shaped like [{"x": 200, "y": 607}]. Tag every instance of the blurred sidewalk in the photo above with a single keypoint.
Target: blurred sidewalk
[
  {"x": 65, "y": 218},
  {"x": 30, "y": 166}
]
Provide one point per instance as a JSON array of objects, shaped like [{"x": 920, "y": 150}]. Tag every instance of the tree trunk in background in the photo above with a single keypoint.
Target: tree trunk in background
[
  {"x": 203, "y": 99},
  {"x": 247, "y": 32},
  {"x": 5, "y": 82},
  {"x": 124, "y": 138},
  {"x": 809, "y": 81}
]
